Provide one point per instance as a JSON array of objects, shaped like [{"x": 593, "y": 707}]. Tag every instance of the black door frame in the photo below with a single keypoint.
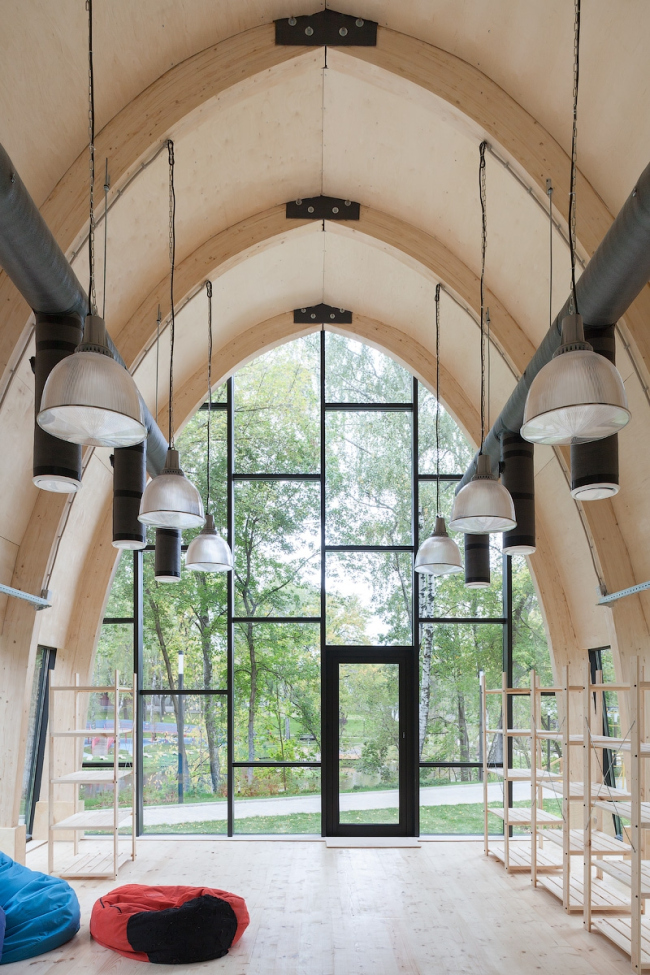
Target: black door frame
[{"x": 408, "y": 758}]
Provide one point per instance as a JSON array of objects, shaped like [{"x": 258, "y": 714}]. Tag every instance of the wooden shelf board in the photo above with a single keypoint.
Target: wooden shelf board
[
  {"x": 93, "y": 776},
  {"x": 92, "y": 733},
  {"x": 602, "y": 844},
  {"x": 604, "y": 900},
  {"x": 617, "y": 930},
  {"x": 621, "y": 870},
  {"x": 522, "y": 817},
  {"x": 512, "y": 774},
  {"x": 94, "y": 865},
  {"x": 547, "y": 861},
  {"x": 598, "y": 791},
  {"x": 86, "y": 689},
  {"x": 624, "y": 809},
  {"x": 95, "y": 819}
]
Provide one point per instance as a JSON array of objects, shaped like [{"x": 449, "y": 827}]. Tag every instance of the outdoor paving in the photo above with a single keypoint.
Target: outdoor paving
[{"x": 449, "y": 795}]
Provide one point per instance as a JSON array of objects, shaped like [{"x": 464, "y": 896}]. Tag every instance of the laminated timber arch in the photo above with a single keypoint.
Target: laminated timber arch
[{"x": 234, "y": 68}]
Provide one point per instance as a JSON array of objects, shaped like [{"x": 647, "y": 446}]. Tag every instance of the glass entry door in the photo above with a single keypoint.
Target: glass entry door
[{"x": 369, "y": 754}]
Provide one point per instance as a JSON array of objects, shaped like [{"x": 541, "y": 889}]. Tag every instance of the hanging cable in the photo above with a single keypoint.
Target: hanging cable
[
  {"x": 107, "y": 186},
  {"x": 92, "y": 296},
  {"x": 158, "y": 322},
  {"x": 549, "y": 190},
  {"x": 482, "y": 188},
  {"x": 574, "y": 140},
  {"x": 489, "y": 371},
  {"x": 437, "y": 399},
  {"x": 172, "y": 262},
  {"x": 208, "y": 288}
]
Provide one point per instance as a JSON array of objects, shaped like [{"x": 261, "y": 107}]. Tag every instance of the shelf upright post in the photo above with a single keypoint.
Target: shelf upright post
[
  {"x": 505, "y": 744},
  {"x": 485, "y": 762},
  {"x": 50, "y": 788},
  {"x": 134, "y": 713},
  {"x": 635, "y": 817},
  {"x": 78, "y": 753},
  {"x": 533, "y": 778},
  {"x": 566, "y": 803},
  {"x": 116, "y": 765},
  {"x": 586, "y": 796}
]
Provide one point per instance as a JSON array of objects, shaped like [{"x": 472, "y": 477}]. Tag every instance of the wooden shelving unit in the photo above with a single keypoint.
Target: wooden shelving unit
[{"x": 105, "y": 820}]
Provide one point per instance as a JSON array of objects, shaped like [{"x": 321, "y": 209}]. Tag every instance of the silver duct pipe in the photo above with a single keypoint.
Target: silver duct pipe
[
  {"x": 618, "y": 270},
  {"x": 38, "y": 267}
]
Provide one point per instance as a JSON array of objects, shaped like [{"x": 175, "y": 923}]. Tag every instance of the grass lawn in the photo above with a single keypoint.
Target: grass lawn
[{"x": 465, "y": 818}]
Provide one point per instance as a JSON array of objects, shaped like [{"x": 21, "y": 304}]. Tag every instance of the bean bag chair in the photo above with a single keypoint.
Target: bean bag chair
[
  {"x": 3, "y": 923},
  {"x": 169, "y": 925},
  {"x": 41, "y": 912}
]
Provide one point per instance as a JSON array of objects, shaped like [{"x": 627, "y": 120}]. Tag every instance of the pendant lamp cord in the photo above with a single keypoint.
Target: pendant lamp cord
[
  {"x": 92, "y": 296},
  {"x": 574, "y": 140},
  {"x": 158, "y": 322},
  {"x": 489, "y": 370},
  {"x": 172, "y": 262},
  {"x": 482, "y": 188},
  {"x": 208, "y": 288},
  {"x": 107, "y": 186},
  {"x": 437, "y": 399}
]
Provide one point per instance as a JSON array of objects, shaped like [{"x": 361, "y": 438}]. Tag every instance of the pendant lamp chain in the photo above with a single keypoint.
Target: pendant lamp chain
[
  {"x": 574, "y": 140},
  {"x": 482, "y": 188},
  {"x": 437, "y": 399},
  {"x": 92, "y": 295},
  {"x": 172, "y": 262},
  {"x": 208, "y": 288}
]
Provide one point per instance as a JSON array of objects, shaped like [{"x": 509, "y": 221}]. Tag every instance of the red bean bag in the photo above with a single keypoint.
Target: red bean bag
[{"x": 169, "y": 925}]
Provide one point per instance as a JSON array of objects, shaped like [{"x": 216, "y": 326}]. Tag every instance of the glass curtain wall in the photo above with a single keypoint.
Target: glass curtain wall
[{"x": 323, "y": 451}]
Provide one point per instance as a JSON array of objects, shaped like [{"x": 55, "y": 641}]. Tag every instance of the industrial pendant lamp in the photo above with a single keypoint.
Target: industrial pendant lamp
[
  {"x": 438, "y": 555},
  {"x": 484, "y": 505},
  {"x": 170, "y": 500},
  {"x": 579, "y": 395},
  {"x": 89, "y": 398},
  {"x": 209, "y": 552}
]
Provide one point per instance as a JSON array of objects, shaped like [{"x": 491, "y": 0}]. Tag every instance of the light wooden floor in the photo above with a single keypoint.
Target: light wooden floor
[{"x": 440, "y": 910}]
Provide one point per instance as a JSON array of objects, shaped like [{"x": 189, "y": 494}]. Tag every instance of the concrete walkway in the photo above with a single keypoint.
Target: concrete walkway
[{"x": 448, "y": 795}]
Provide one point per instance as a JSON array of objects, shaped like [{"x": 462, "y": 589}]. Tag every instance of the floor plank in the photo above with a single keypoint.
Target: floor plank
[{"x": 443, "y": 908}]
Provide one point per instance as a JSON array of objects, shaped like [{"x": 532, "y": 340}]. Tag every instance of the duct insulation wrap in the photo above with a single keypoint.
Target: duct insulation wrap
[
  {"x": 57, "y": 463},
  {"x": 594, "y": 466},
  {"x": 167, "y": 563},
  {"x": 129, "y": 479},
  {"x": 518, "y": 476},
  {"x": 477, "y": 561}
]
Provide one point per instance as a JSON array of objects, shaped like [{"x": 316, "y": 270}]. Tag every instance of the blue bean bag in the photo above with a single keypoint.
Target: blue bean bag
[
  {"x": 2, "y": 930},
  {"x": 41, "y": 912}
]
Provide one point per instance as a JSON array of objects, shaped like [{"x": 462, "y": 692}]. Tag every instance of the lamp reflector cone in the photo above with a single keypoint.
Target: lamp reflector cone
[
  {"x": 170, "y": 500},
  {"x": 439, "y": 554},
  {"x": 577, "y": 397},
  {"x": 483, "y": 505},
  {"x": 91, "y": 399},
  {"x": 208, "y": 552}
]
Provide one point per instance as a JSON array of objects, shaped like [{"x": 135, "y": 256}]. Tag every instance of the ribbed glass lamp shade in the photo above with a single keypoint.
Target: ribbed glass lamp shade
[
  {"x": 91, "y": 399},
  {"x": 483, "y": 505},
  {"x": 577, "y": 397},
  {"x": 438, "y": 555},
  {"x": 170, "y": 500},
  {"x": 208, "y": 552},
  {"x": 596, "y": 491},
  {"x": 56, "y": 483}
]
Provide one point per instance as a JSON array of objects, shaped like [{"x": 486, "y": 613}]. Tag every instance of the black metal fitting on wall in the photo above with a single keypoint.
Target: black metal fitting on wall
[
  {"x": 167, "y": 556},
  {"x": 326, "y": 27},
  {"x": 477, "y": 561},
  {"x": 129, "y": 479},
  {"x": 518, "y": 476},
  {"x": 322, "y": 315},
  {"x": 323, "y": 208},
  {"x": 57, "y": 463},
  {"x": 594, "y": 466}
]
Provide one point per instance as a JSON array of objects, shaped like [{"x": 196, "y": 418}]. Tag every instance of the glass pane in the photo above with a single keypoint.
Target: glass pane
[
  {"x": 277, "y": 411},
  {"x": 277, "y": 548},
  {"x": 368, "y": 478},
  {"x": 120, "y": 601},
  {"x": 369, "y": 743},
  {"x": 455, "y": 450},
  {"x": 185, "y": 788},
  {"x": 451, "y": 801},
  {"x": 99, "y": 709},
  {"x": 368, "y": 598},
  {"x": 192, "y": 445},
  {"x": 277, "y": 692},
  {"x": 277, "y": 800},
  {"x": 451, "y": 658},
  {"x": 529, "y": 643},
  {"x": 448, "y": 595},
  {"x": 357, "y": 373},
  {"x": 114, "y": 652},
  {"x": 33, "y": 732},
  {"x": 188, "y": 616}
]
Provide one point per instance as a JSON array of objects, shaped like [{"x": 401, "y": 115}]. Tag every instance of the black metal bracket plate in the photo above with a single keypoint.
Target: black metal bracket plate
[
  {"x": 326, "y": 27},
  {"x": 323, "y": 208},
  {"x": 322, "y": 315}
]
